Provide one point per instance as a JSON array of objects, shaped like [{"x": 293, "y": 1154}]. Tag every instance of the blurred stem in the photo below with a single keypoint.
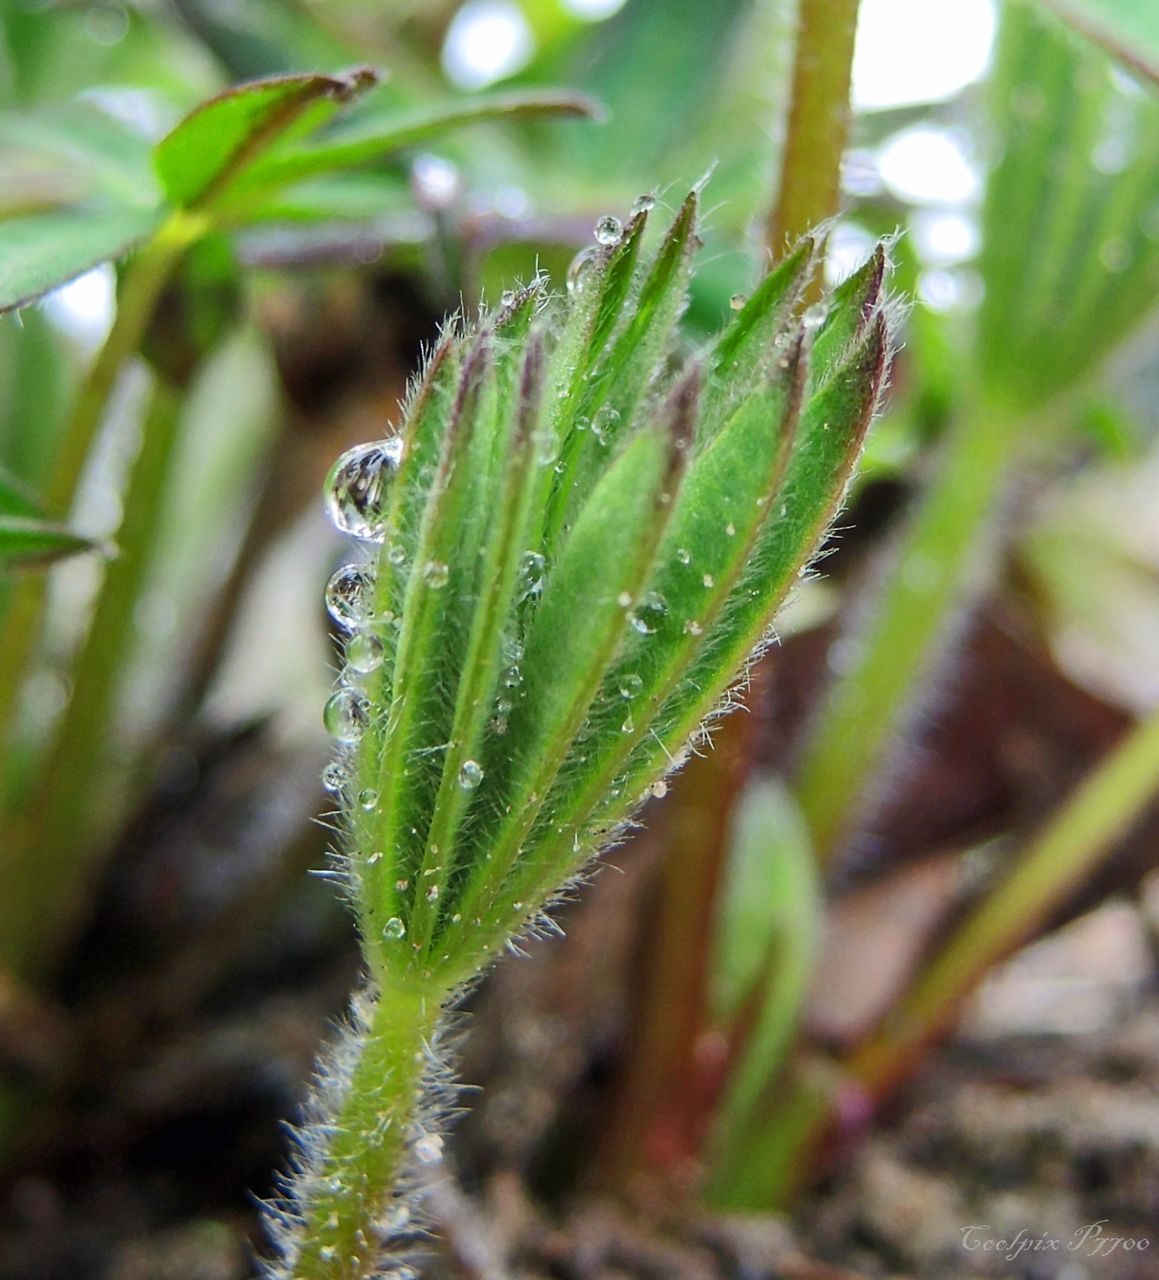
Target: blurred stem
[
  {"x": 45, "y": 882},
  {"x": 929, "y": 580},
  {"x": 144, "y": 279},
  {"x": 1065, "y": 852},
  {"x": 818, "y": 126},
  {"x": 651, "y": 1114},
  {"x": 660, "y": 1112},
  {"x": 1082, "y": 832}
]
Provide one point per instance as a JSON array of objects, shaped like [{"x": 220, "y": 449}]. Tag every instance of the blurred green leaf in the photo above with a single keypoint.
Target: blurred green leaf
[
  {"x": 27, "y": 540},
  {"x": 1129, "y": 29},
  {"x": 16, "y": 499},
  {"x": 42, "y": 251},
  {"x": 1070, "y": 254},
  {"x": 368, "y": 137},
  {"x": 198, "y": 159}
]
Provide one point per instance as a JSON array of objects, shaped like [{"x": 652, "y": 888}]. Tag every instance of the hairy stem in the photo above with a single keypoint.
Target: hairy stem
[{"x": 349, "y": 1187}]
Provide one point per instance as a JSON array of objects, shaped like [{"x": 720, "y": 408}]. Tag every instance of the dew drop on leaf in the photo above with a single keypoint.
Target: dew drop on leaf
[
  {"x": 683, "y": 555},
  {"x": 364, "y": 652},
  {"x": 649, "y": 613},
  {"x": 368, "y": 798},
  {"x": 608, "y": 229},
  {"x": 578, "y": 271},
  {"x": 631, "y": 684},
  {"x": 470, "y": 774},
  {"x": 531, "y": 572},
  {"x": 393, "y": 929},
  {"x": 737, "y": 301},
  {"x": 346, "y": 714},
  {"x": 348, "y": 594},
  {"x": 436, "y": 574},
  {"x": 334, "y": 777},
  {"x": 644, "y": 204},
  {"x": 358, "y": 485}
]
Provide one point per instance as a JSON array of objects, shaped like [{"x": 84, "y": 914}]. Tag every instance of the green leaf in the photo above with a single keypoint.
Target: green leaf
[
  {"x": 618, "y": 374},
  {"x": 16, "y": 499},
  {"x": 27, "y": 540},
  {"x": 1070, "y": 259},
  {"x": 766, "y": 943},
  {"x": 1128, "y": 29},
  {"x": 532, "y": 676},
  {"x": 42, "y": 251},
  {"x": 366, "y": 138},
  {"x": 212, "y": 145}
]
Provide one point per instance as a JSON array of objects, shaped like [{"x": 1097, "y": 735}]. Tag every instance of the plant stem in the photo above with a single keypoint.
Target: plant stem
[
  {"x": 46, "y": 881},
  {"x": 930, "y": 578},
  {"x": 810, "y": 185},
  {"x": 1072, "y": 844},
  {"x": 1081, "y": 833},
  {"x": 351, "y": 1184},
  {"x": 144, "y": 279}
]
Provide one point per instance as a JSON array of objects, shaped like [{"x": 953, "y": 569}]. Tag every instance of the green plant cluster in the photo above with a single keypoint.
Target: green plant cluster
[{"x": 579, "y": 541}]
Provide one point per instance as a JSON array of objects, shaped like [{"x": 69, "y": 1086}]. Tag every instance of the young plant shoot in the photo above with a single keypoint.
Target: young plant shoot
[{"x": 572, "y": 545}]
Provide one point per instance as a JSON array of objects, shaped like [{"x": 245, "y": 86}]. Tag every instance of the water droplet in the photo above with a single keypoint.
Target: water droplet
[
  {"x": 436, "y": 575},
  {"x": 644, "y": 204},
  {"x": 334, "y": 777},
  {"x": 649, "y": 613},
  {"x": 737, "y": 301},
  {"x": 429, "y": 1148},
  {"x": 532, "y": 569},
  {"x": 631, "y": 684},
  {"x": 507, "y": 297},
  {"x": 730, "y": 529},
  {"x": 708, "y": 580},
  {"x": 683, "y": 555},
  {"x": 512, "y": 678},
  {"x": 394, "y": 929},
  {"x": 629, "y": 725},
  {"x": 660, "y": 789},
  {"x": 375, "y": 858},
  {"x": 604, "y": 423},
  {"x": 470, "y": 774},
  {"x": 348, "y": 594},
  {"x": 433, "y": 893},
  {"x": 357, "y": 487},
  {"x": 346, "y": 715},
  {"x": 402, "y": 885},
  {"x": 579, "y": 270},
  {"x": 609, "y": 229},
  {"x": 364, "y": 652},
  {"x": 814, "y": 317},
  {"x": 397, "y": 555},
  {"x": 692, "y": 627},
  {"x": 368, "y": 798},
  {"x": 397, "y": 1217},
  {"x": 624, "y": 599}
]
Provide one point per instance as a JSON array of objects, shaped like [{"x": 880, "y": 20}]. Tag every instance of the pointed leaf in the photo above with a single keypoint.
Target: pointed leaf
[
  {"x": 45, "y": 250},
  {"x": 199, "y": 158},
  {"x": 26, "y": 540}
]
